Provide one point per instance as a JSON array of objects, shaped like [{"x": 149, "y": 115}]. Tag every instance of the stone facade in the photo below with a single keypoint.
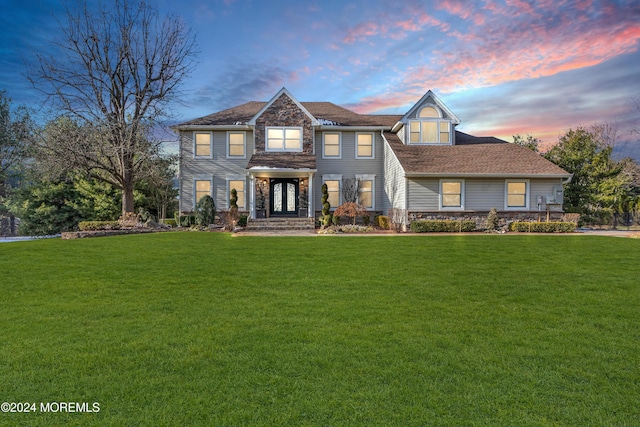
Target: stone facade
[{"x": 284, "y": 112}]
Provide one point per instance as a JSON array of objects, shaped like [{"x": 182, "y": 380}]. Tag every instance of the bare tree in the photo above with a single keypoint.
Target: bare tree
[
  {"x": 114, "y": 73},
  {"x": 350, "y": 190}
]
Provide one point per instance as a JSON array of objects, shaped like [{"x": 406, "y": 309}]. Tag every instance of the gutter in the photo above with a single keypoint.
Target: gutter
[{"x": 486, "y": 175}]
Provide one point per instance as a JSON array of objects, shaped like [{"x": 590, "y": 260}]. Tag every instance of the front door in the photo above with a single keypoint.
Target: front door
[{"x": 284, "y": 197}]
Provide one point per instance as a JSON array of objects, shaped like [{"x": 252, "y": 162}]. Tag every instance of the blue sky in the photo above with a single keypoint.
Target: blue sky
[{"x": 503, "y": 66}]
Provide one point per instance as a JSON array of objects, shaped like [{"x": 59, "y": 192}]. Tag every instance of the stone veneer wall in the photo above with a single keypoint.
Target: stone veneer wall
[{"x": 284, "y": 112}]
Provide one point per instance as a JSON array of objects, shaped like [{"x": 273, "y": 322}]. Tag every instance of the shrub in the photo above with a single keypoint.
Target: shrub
[
  {"x": 169, "y": 221},
  {"x": 351, "y": 210},
  {"x": 242, "y": 220},
  {"x": 349, "y": 228},
  {"x": 326, "y": 206},
  {"x": 542, "y": 227},
  {"x": 186, "y": 220},
  {"x": 366, "y": 220},
  {"x": 426, "y": 226},
  {"x": 205, "y": 211},
  {"x": 383, "y": 222},
  {"x": 98, "y": 225},
  {"x": 493, "y": 220},
  {"x": 335, "y": 220}
]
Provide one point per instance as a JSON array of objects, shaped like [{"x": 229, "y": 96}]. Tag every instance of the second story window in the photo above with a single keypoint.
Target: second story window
[
  {"x": 284, "y": 139},
  {"x": 202, "y": 143},
  {"x": 331, "y": 145},
  {"x": 429, "y": 128},
  {"x": 364, "y": 146},
  {"x": 236, "y": 144}
]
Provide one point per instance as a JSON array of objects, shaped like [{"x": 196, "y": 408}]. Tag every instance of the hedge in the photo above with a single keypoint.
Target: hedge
[
  {"x": 434, "y": 226},
  {"x": 542, "y": 227},
  {"x": 98, "y": 225}
]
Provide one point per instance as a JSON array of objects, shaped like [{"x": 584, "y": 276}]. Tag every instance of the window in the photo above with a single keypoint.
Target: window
[
  {"x": 284, "y": 139},
  {"x": 202, "y": 188},
  {"x": 365, "y": 191},
  {"x": 239, "y": 186},
  {"x": 429, "y": 128},
  {"x": 333, "y": 187},
  {"x": 451, "y": 194},
  {"x": 202, "y": 142},
  {"x": 331, "y": 145},
  {"x": 517, "y": 195},
  {"x": 236, "y": 144},
  {"x": 364, "y": 146}
]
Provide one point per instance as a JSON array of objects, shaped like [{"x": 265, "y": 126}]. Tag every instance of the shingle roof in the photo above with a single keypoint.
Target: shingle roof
[
  {"x": 326, "y": 112},
  {"x": 264, "y": 160},
  {"x": 472, "y": 157}
]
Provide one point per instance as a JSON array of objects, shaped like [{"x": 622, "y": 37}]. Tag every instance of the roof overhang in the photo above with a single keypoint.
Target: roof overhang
[
  {"x": 353, "y": 128},
  {"x": 280, "y": 172},
  {"x": 213, "y": 127},
  {"x": 485, "y": 175}
]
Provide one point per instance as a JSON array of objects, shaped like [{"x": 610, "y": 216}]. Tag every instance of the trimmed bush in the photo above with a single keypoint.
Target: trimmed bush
[
  {"x": 242, "y": 220},
  {"x": 186, "y": 220},
  {"x": 383, "y": 222},
  {"x": 98, "y": 225},
  {"x": 542, "y": 227},
  {"x": 433, "y": 226},
  {"x": 205, "y": 211}
]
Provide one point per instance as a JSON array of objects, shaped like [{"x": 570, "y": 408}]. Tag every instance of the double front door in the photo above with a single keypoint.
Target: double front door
[{"x": 283, "y": 196}]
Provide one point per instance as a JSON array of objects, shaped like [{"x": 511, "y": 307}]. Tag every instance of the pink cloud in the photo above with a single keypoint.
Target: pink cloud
[
  {"x": 361, "y": 32},
  {"x": 501, "y": 52}
]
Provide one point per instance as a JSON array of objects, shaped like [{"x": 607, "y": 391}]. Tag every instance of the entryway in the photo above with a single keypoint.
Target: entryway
[{"x": 283, "y": 196}]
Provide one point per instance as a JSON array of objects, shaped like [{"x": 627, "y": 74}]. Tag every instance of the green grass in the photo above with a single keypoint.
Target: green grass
[{"x": 211, "y": 329}]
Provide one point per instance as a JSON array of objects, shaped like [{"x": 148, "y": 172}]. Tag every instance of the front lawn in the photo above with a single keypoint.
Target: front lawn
[{"x": 212, "y": 329}]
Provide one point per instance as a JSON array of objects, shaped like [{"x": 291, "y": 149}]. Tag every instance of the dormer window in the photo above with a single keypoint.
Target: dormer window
[{"x": 430, "y": 127}]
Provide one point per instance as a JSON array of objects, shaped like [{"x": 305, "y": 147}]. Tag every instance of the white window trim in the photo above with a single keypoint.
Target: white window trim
[
  {"x": 244, "y": 141},
  {"x": 210, "y": 156},
  {"x": 526, "y": 197},
  {"x": 230, "y": 178},
  {"x": 284, "y": 150},
  {"x": 333, "y": 177},
  {"x": 371, "y": 178},
  {"x": 339, "y": 156},
  {"x": 373, "y": 145},
  {"x": 432, "y": 120},
  {"x": 462, "y": 191},
  {"x": 201, "y": 178}
]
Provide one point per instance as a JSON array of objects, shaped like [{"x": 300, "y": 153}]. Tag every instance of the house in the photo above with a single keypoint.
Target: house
[{"x": 278, "y": 154}]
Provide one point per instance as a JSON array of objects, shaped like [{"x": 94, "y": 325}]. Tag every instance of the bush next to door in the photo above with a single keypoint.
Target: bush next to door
[
  {"x": 542, "y": 227},
  {"x": 435, "y": 226}
]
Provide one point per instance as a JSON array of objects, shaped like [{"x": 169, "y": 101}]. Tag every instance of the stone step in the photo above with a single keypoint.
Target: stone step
[{"x": 280, "y": 224}]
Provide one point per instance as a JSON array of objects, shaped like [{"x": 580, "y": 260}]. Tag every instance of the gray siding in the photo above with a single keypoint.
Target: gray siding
[
  {"x": 484, "y": 194},
  {"x": 348, "y": 166},
  {"x": 217, "y": 169},
  {"x": 395, "y": 187},
  {"x": 423, "y": 194},
  {"x": 481, "y": 194}
]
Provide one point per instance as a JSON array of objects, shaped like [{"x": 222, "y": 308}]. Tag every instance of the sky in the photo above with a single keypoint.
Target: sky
[{"x": 504, "y": 67}]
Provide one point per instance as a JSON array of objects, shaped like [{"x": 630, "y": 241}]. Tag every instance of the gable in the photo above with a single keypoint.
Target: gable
[
  {"x": 283, "y": 112},
  {"x": 430, "y": 100},
  {"x": 283, "y": 99}
]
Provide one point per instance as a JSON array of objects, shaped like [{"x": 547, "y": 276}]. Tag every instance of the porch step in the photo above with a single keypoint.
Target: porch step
[{"x": 265, "y": 224}]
